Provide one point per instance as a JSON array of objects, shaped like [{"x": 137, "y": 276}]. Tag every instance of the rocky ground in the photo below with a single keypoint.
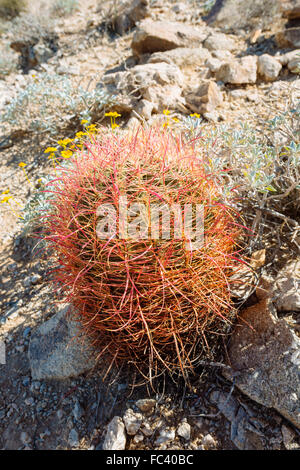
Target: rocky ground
[{"x": 150, "y": 56}]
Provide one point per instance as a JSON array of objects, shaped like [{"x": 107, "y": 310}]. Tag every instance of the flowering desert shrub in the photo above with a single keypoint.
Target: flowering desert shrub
[{"x": 150, "y": 301}]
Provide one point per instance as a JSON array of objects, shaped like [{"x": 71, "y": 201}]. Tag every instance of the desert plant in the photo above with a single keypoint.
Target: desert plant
[
  {"x": 260, "y": 162},
  {"x": 64, "y": 7},
  {"x": 51, "y": 101},
  {"x": 11, "y": 8},
  {"x": 150, "y": 301}
]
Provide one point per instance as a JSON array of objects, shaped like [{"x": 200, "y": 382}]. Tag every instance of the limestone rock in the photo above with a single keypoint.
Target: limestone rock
[
  {"x": 169, "y": 97},
  {"x": 182, "y": 56},
  {"x": 146, "y": 405},
  {"x": 239, "y": 71},
  {"x": 224, "y": 56},
  {"x": 184, "y": 430},
  {"x": 115, "y": 438},
  {"x": 289, "y": 56},
  {"x": 205, "y": 99},
  {"x": 214, "y": 64},
  {"x": 294, "y": 65},
  {"x": 142, "y": 76},
  {"x": 208, "y": 442},
  {"x": 57, "y": 350},
  {"x": 132, "y": 421},
  {"x": 265, "y": 353},
  {"x": 286, "y": 289},
  {"x": 147, "y": 81},
  {"x": 268, "y": 67},
  {"x": 219, "y": 41},
  {"x": 154, "y": 36},
  {"x": 144, "y": 109}
]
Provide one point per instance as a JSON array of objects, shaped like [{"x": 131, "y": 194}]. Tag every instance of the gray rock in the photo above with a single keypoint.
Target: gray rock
[
  {"x": 166, "y": 435},
  {"x": 266, "y": 354},
  {"x": 239, "y": 71},
  {"x": 286, "y": 289},
  {"x": 144, "y": 109},
  {"x": 227, "y": 406},
  {"x": 142, "y": 76},
  {"x": 57, "y": 350},
  {"x": 132, "y": 421},
  {"x": 219, "y": 41},
  {"x": 208, "y": 442},
  {"x": 289, "y": 437},
  {"x": 284, "y": 59},
  {"x": 206, "y": 98},
  {"x": 294, "y": 65},
  {"x": 154, "y": 36},
  {"x": 184, "y": 430},
  {"x": 25, "y": 438},
  {"x": 224, "y": 56},
  {"x": 167, "y": 97},
  {"x": 78, "y": 411},
  {"x": 41, "y": 52},
  {"x": 239, "y": 420},
  {"x": 268, "y": 67},
  {"x": 73, "y": 438},
  {"x": 146, "y": 405},
  {"x": 138, "y": 438},
  {"x": 182, "y": 56},
  {"x": 115, "y": 438},
  {"x": 214, "y": 64},
  {"x": 146, "y": 429}
]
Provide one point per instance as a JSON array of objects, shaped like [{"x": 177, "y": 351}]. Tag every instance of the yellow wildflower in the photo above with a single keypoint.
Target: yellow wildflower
[
  {"x": 22, "y": 164},
  {"x": 6, "y": 199},
  {"x": 196, "y": 115},
  {"x": 113, "y": 114},
  {"x": 80, "y": 134},
  {"x": 65, "y": 142},
  {"x": 66, "y": 153},
  {"x": 50, "y": 149},
  {"x": 84, "y": 121}
]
